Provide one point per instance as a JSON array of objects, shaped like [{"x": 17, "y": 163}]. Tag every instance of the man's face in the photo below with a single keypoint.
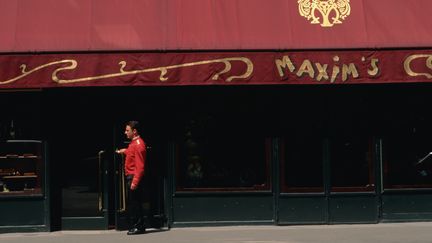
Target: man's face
[{"x": 129, "y": 132}]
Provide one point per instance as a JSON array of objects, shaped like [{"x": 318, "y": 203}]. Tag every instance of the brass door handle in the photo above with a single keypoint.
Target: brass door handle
[
  {"x": 100, "y": 196},
  {"x": 122, "y": 186}
]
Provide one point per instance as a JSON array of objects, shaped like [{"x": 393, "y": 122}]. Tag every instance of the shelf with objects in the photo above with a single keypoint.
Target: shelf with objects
[{"x": 21, "y": 168}]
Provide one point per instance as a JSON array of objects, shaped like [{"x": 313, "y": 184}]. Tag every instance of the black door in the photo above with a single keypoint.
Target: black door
[
  {"x": 85, "y": 193},
  {"x": 81, "y": 168},
  {"x": 328, "y": 181},
  {"x": 79, "y": 130}
]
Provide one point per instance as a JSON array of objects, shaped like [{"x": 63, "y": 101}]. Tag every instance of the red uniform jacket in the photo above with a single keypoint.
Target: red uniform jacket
[{"x": 135, "y": 159}]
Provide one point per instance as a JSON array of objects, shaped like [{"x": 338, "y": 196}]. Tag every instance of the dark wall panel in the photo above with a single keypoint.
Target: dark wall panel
[
  {"x": 216, "y": 209},
  {"x": 413, "y": 207},
  {"x": 302, "y": 210},
  {"x": 353, "y": 209},
  {"x": 22, "y": 212}
]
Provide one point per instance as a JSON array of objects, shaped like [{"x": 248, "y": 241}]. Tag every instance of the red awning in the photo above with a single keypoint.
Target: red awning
[
  {"x": 83, "y": 25},
  {"x": 215, "y": 68}
]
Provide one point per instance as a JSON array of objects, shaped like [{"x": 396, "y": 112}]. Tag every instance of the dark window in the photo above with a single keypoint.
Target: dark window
[
  {"x": 213, "y": 159},
  {"x": 302, "y": 164},
  {"x": 407, "y": 161},
  {"x": 21, "y": 167},
  {"x": 351, "y": 162}
]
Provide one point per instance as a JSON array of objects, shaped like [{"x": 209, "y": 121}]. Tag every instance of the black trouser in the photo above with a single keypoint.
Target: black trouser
[{"x": 135, "y": 200}]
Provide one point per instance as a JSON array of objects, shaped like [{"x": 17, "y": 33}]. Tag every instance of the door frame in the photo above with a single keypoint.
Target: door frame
[{"x": 327, "y": 207}]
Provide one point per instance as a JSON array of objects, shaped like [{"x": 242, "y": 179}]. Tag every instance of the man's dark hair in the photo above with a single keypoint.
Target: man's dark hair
[{"x": 133, "y": 125}]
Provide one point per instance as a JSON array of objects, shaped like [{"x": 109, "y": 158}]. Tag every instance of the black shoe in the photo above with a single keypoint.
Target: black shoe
[{"x": 136, "y": 231}]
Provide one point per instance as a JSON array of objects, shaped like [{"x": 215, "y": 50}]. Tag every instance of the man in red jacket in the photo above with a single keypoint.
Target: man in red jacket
[{"x": 134, "y": 172}]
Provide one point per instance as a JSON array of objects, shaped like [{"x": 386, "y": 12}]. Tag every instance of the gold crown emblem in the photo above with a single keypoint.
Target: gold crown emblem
[{"x": 338, "y": 10}]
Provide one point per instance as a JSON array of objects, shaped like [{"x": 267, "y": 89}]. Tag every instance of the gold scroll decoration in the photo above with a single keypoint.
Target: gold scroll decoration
[
  {"x": 73, "y": 64},
  {"x": 410, "y": 72},
  {"x": 341, "y": 9}
]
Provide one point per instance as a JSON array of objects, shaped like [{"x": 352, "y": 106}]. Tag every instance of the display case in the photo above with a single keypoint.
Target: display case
[{"x": 21, "y": 167}]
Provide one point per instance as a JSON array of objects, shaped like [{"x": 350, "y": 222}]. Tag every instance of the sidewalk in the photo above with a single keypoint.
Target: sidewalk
[{"x": 371, "y": 233}]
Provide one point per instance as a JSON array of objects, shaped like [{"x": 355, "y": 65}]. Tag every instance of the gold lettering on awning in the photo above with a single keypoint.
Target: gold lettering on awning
[
  {"x": 306, "y": 67},
  {"x": 375, "y": 69},
  {"x": 324, "y": 71},
  {"x": 285, "y": 62},
  {"x": 349, "y": 70}
]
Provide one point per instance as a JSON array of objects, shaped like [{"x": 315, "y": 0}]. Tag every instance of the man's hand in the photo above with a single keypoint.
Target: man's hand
[
  {"x": 120, "y": 151},
  {"x": 133, "y": 186}
]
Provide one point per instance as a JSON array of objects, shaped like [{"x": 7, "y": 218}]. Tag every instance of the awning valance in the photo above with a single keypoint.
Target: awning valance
[
  {"x": 149, "y": 25},
  {"x": 215, "y": 68}
]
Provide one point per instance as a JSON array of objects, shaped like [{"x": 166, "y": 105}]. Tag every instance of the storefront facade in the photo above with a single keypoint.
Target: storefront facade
[{"x": 303, "y": 122}]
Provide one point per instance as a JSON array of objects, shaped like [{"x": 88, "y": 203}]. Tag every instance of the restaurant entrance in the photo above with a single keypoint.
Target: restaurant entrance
[
  {"x": 87, "y": 188},
  {"x": 80, "y": 134}
]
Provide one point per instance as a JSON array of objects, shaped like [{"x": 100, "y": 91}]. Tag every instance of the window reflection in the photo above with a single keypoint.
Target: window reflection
[
  {"x": 406, "y": 161},
  {"x": 212, "y": 159}
]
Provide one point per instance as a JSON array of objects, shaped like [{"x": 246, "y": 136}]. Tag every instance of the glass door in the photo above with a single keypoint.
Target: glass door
[
  {"x": 328, "y": 180},
  {"x": 85, "y": 193},
  {"x": 302, "y": 198},
  {"x": 352, "y": 191},
  {"x": 80, "y": 159}
]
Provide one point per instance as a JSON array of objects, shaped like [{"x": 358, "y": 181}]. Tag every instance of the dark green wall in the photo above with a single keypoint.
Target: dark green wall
[
  {"x": 23, "y": 214},
  {"x": 222, "y": 209},
  {"x": 404, "y": 207},
  {"x": 353, "y": 209},
  {"x": 302, "y": 210}
]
